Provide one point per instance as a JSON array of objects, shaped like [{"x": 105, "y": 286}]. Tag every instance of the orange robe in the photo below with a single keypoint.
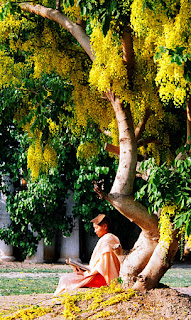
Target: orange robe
[{"x": 104, "y": 266}]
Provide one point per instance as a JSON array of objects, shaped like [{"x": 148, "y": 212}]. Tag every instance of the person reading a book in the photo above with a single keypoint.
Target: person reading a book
[{"x": 104, "y": 265}]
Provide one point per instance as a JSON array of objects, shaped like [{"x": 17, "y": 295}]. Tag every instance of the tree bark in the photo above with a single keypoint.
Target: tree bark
[
  {"x": 157, "y": 266},
  {"x": 141, "y": 126},
  {"x": 128, "y": 56},
  {"x": 125, "y": 176},
  {"x": 121, "y": 196},
  {"x": 188, "y": 112}
]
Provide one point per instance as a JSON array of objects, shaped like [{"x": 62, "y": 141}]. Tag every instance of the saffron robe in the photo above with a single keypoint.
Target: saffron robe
[{"x": 104, "y": 267}]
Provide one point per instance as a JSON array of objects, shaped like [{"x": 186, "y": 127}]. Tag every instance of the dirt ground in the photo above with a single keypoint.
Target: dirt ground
[{"x": 157, "y": 304}]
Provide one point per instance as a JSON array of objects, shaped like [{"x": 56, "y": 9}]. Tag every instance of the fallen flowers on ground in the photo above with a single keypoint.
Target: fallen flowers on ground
[
  {"x": 94, "y": 303},
  {"x": 97, "y": 299}
]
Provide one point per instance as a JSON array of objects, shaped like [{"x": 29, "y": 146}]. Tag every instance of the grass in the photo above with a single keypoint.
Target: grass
[
  {"x": 27, "y": 285},
  {"x": 21, "y": 285},
  {"x": 177, "y": 277},
  {"x": 33, "y": 270}
]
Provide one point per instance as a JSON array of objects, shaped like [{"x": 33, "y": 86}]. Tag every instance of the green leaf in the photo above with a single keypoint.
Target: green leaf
[
  {"x": 163, "y": 49},
  {"x": 180, "y": 50},
  {"x": 178, "y": 60},
  {"x": 157, "y": 56}
]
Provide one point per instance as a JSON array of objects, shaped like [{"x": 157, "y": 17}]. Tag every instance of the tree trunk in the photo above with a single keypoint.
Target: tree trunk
[
  {"x": 145, "y": 264},
  {"x": 157, "y": 266}
]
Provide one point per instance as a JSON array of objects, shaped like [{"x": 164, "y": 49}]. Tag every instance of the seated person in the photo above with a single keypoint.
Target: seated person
[{"x": 104, "y": 263}]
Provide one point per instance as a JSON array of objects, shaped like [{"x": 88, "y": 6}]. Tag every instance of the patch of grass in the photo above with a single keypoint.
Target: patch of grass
[
  {"x": 174, "y": 277},
  {"x": 27, "y": 285},
  {"x": 177, "y": 277},
  {"x": 34, "y": 270}
]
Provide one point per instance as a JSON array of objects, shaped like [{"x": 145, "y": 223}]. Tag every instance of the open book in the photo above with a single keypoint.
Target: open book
[{"x": 77, "y": 264}]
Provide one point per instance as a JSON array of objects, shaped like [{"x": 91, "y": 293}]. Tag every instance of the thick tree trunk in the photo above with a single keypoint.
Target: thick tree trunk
[
  {"x": 157, "y": 266},
  {"x": 145, "y": 264},
  {"x": 123, "y": 184},
  {"x": 137, "y": 259}
]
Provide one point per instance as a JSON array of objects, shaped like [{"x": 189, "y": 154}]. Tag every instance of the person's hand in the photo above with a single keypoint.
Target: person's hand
[{"x": 78, "y": 271}]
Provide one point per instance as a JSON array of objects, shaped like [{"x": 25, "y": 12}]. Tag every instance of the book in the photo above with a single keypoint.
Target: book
[{"x": 77, "y": 264}]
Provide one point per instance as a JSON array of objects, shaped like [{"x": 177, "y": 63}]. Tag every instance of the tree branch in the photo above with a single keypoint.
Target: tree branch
[
  {"x": 111, "y": 148},
  {"x": 188, "y": 113},
  {"x": 184, "y": 155},
  {"x": 143, "y": 175},
  {"x": 124, "y": 179},
  {"x": 58, "y": 6},
  {"x": 81, "y": 23},
  {"x": 76, "y": 30},
  {"x": 141, "y": 126},
  {"x": 143, "y": 142},
  {"x": 128, "y": 56},
  {"x": 99, "y": 191}
]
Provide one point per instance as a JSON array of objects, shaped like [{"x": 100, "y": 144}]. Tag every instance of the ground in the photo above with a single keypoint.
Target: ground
[{"x": 157, "y": 304}]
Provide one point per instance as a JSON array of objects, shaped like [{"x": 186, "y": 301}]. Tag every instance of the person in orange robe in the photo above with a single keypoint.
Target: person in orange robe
[{"x": 104, "y": 263}]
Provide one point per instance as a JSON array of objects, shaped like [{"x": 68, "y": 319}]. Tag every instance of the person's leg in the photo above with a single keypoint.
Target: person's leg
[{"x": 97, "y": 282}]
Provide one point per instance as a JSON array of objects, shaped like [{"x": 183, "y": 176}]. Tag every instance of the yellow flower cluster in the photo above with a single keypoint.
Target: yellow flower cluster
[
  {"x": 189, "y": 241},
  {"x": 96, "y": 302},
  {"x": 103, "y": 314},
  {"x": 98, "y": 295},
  {"x": 39, "y": 159},
  {"x": 171, "y": 81},
  {"x": 50, "y": 157},
  {"x": 33, "y": 312},
  {"x": 48, "y": 57},
  {"x": 73, "y": 12},
  {"x": 154, "y": 27},
  {"x": 70, "y": 307},
  {"x": 166, "y": 228},
  {"x": 108, "y": 69},
  {"x": 10, "y": 27},
  {"x": 124, "y": 296},
  {"x": 53, "y": 127},
  {"x": 113, "y": 129},
  {"x": 158, "y": 27},
  {"x": 8, "y": 69},
  {"x": 87, "y": 150}
]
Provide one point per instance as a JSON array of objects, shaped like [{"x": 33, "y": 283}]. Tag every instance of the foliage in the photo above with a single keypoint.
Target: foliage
[
  {"x": 178, "y": 57},
  {"x": 36, "y": 213},
  {"x": 168, "y": 189},
  {"x": 87, "y": 205},
  {"x": 104, "y": 11},
  {"x": 39, "y": 210}
]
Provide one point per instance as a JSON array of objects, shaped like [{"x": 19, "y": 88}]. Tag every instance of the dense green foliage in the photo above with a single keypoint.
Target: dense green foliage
[{"x": 169, "y": 185}]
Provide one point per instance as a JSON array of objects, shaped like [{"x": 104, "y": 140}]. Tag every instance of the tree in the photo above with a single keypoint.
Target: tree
[{"x": 127, "y": 67}]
